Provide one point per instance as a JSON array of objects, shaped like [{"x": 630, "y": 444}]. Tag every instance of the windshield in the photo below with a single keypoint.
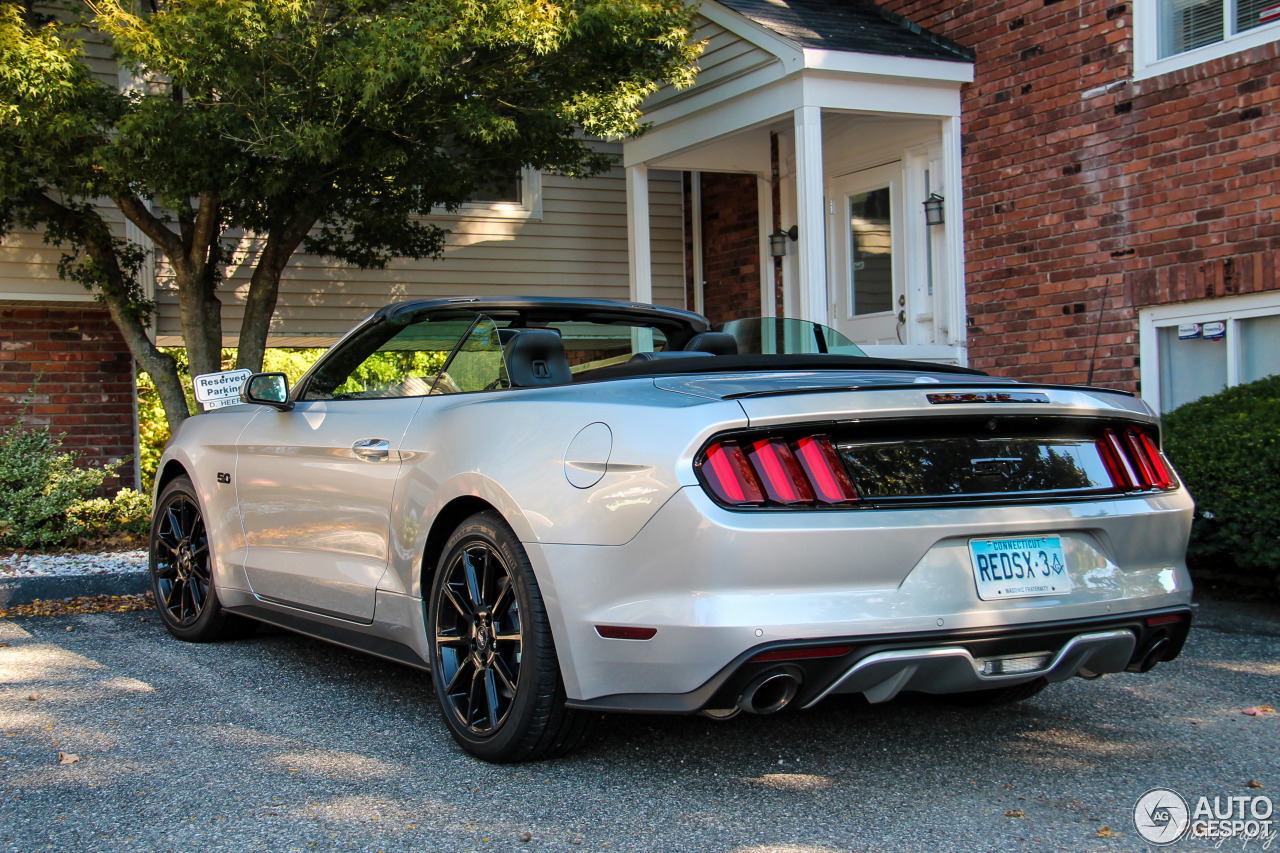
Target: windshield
[{"x": 770, "y": 336}]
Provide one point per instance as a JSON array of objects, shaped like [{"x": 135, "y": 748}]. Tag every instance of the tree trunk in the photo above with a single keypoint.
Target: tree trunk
[{"x": 264, "y": 290}]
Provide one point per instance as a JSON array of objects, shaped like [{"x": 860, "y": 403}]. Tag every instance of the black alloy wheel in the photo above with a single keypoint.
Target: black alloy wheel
[
  {"x": 180, "y": 566},
  {"x": 493, "y": 660},
  {"x": 478, "y": 638}
]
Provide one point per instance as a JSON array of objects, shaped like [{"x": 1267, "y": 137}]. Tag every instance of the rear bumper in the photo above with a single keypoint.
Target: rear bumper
[
  {"x": 936, "y": 662},
  {"x": 715, "y": 585}
]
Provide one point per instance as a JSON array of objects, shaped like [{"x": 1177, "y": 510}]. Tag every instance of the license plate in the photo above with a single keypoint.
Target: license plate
[{"x": 1019, "y": 568}]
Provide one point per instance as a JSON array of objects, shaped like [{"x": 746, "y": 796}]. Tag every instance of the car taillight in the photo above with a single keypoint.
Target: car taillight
[
  {"x": 1133, "y": 460},
  {"x": 778, "y": 472}
]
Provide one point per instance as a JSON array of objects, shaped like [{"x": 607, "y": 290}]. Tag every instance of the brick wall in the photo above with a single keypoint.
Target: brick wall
[
  {"x": 730, "y": 247},
  {"x": 1089, "y": 195},
  {"x": 82, "y": 376}
]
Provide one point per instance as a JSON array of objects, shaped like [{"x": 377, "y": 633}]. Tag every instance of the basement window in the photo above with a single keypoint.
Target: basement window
[{"x": 1195, "y": 349}]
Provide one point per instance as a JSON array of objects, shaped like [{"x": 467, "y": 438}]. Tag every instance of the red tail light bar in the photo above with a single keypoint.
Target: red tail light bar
[
  {"x": 1133, "y": 460},
  {"x": 777, "y": 472}
]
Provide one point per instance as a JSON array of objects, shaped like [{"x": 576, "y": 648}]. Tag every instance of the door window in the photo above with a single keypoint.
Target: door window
[{"x": 871, "y": 251}]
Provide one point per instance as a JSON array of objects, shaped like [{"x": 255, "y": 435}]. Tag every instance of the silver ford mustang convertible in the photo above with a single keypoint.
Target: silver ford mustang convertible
[{"x": 567, "y": 506}]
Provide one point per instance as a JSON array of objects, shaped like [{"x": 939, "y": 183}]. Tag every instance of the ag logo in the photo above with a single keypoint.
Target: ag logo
[{"x": 1161, "y": 816}]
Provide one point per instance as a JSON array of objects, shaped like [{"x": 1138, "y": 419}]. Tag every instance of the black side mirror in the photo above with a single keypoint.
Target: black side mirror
[{"x": 267, "y": 389}]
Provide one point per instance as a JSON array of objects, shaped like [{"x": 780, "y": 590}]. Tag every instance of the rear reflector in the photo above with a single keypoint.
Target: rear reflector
[
  {"x": 625, "y": 632},
  {"x": 801, "y": 654},
  {"x": 1167, "y": 619}
]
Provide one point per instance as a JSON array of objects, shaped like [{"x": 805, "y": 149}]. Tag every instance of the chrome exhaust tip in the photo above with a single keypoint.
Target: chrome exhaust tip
[{"x": 769, "y": 692}]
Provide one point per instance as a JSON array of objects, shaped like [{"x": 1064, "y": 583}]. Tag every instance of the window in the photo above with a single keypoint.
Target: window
[
  {"x": 1172, "y": 34},
  {"x": 519, "y": 197},
  {"x": 443, "y": 355},
  {"x": 1192, "y": 350}
]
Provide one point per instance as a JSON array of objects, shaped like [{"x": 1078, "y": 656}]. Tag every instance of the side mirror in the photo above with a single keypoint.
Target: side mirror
[{"x": 267, "y": 389}]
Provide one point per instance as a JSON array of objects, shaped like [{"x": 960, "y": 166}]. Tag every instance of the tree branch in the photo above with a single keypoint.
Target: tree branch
[{"x": 148, "y": 223}]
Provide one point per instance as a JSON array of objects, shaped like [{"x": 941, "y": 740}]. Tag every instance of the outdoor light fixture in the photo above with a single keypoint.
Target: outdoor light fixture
[
  {"x": 933, "y": 214},
  {"x": 778, "y": 240}
]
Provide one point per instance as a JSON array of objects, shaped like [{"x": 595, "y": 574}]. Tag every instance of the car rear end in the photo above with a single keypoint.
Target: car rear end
[{"x": 906, "y": 533}]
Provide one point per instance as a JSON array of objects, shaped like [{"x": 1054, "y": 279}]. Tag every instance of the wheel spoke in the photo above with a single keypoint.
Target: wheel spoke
[
  {"x": 500, "y": 669},
  {"x": 452, "y": 640},
  {"x": 457, "y": 676},
  {"x": 473, "y": 581},
  {"x": 491, "y": 697},
  {"x": 464, "y": 610},
  {"x": 503, "y": 601}
]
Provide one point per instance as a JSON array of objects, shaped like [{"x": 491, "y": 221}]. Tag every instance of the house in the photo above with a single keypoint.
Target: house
[{"x": 1097, "y": 176}]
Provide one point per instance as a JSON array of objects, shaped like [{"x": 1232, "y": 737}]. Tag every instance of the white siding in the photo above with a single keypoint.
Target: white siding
[
  {"x": 578, "y": 247},
  {"x": 725, "y": 57}
]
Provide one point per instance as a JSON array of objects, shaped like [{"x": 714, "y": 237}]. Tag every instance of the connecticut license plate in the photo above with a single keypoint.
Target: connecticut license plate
[{"x": 1019, "y": 568}]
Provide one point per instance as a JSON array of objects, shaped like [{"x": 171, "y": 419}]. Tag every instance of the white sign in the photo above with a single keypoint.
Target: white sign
[{"x": 215, "y": 390}]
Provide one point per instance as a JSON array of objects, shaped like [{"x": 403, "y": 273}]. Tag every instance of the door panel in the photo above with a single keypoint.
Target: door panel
[
  {"x": 866, "y": 265},
  {"x": 315, "y": 486}
]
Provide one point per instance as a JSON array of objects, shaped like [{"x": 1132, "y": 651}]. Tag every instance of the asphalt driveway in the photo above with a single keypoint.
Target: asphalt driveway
[{"x": 283, "y": 743}]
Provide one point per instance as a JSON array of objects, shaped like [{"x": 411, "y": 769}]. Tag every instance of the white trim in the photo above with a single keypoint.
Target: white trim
[
  {"x": 936, "y": 353},
  {"x": 814, "y": 302},
  {"x": 951, "y": 313},
  {"x": 888, "y": 66},
  {"x": 529, "y": 206},
  {"x": 1228, "y": 308},
  {"x": 788, "y": 53},
  {"x": 639, "y": 248},
  {"x": 695, "y": 241},
  {"x": 764, "y": 215},
  {"x": 760, "y": 98},
  {"x": 1146, "y": 63},
  {"x": 86, "y": 298}
]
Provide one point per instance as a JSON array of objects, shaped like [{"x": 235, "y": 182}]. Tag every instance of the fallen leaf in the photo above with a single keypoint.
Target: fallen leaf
[
  {"x": 1015, "y": 813},
  {"x": 1253, "y": 783},
  {"x": 67, "y": 758},
  {"x": 1105, "y": 832},
  {"x": 1258, "y": 711},
  {"x": 80, "y": 604}
]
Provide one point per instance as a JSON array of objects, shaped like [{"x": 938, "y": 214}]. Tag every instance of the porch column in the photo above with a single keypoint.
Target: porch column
[
  {"x": 639, "y": 248},
  {"x": 955, "y": 321},
  {"x": 810, "y": 216}
]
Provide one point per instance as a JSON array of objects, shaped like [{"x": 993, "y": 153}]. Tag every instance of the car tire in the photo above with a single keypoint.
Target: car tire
[
  {"x": 493, "y": 660},
  {"x": 181, "y": 570},
  {"x": 998, "y": 696}
]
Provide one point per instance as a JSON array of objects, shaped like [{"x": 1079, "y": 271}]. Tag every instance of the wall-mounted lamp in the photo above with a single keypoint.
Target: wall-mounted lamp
[
  {"x": 933, "y": 214},
  {"x": 778, "y": 240}
]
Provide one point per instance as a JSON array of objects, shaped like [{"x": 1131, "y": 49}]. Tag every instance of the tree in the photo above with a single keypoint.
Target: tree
[{"x": 329, "y": 127}]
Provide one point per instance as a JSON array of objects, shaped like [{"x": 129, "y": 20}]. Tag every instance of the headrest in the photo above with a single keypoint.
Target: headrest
[
  {"x": 536, "y": 357},
  {"x": 716, "y": 343}
]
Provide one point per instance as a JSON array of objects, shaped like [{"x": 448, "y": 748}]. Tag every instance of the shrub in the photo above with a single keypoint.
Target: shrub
[
  {"x": 127, "y": 514},
  {"x": 153, "y": 429},
  {"x": 41, "y": 488},
  {"x": 1227, "y": 449}
]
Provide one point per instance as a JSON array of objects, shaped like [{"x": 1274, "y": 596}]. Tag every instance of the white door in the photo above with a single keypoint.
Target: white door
[{"x": 868, "y": 294}]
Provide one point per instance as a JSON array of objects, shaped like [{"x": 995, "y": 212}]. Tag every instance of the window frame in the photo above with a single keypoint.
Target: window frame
[
  {"x": 529, "y": 206},
  {"x": 1146, "y": 28},
  {"x": 1229, "y": 309}
]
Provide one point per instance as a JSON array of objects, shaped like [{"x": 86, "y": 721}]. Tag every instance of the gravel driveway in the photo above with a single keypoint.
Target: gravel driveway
[{"x": 283, "y": 743}]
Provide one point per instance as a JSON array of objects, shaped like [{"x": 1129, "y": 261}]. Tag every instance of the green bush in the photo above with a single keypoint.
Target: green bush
[
  {"x": 1227, "y": 449},
  {"x": 45, "y": 498},
  {"x": 153, "y": 429}
]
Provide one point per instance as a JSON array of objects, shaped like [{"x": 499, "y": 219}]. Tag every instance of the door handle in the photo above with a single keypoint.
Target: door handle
[{"x": 372, "y": 449}]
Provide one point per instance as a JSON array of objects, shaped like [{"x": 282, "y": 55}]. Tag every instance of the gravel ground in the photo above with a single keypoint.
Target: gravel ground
[
  {"x": 23, "y": 565},
  {"x": 282, "y": 743}
]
